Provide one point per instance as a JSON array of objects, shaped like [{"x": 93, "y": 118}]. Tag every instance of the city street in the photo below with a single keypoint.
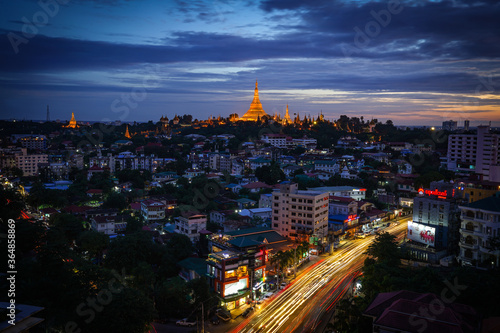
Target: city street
[
  {"x": 300, "y": 307},
  {"x": 306, "y": 304}
]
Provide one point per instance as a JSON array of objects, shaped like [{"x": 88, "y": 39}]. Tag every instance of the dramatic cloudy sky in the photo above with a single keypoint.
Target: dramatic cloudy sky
[{"x": 415, "y": 62}]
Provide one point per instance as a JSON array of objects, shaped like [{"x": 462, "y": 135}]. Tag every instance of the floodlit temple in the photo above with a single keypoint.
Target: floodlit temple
[
  {"x": 72, "y": 122},
  {"x": 256, "y": 111}
]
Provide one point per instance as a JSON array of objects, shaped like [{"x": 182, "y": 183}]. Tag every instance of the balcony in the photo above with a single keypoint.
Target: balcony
[
  {"x": 467, "y": 231},
  {"x": 465, "y": 245}
]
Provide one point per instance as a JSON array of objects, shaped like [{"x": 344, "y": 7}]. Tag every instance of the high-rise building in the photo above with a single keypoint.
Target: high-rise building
[
  {"x": 466, "y": 125},
  {"x": 475, "y": 153},
  {"x": 449, "y": 125},
  {"x": 300, "y": 214}
]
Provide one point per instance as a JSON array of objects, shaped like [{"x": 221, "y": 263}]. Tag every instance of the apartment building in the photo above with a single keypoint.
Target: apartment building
[
  {"x": 469, "y": 153},
  {"x": 153, "y": 210},
  {"x": 300, "y": 214},
  {"x": 277, "y": 140},
  {"x": 191, "y": 225},
  {"x": 28, "y": 163},
  {"x": 480, "y": 223}
]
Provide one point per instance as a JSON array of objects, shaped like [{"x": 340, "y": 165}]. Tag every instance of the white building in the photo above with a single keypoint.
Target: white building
[
  {"x": 191, "y": 226},
  {"x": 263, "y": 213},
  {"x": 356, "y": 193},
  {"x": 480, "y": 221},
  {"x": 266, "y": 200},
  {"x": 300, "y": 214},
  {"x": 108, "y": 225},
  {"x": 277, "y": 140},
  {"x": 471, "y": 153},
  {"x": 153, "y": 210}
]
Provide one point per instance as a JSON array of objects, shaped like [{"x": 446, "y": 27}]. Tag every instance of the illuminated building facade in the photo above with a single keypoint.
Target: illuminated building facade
[{"x": 434, "y": 231}]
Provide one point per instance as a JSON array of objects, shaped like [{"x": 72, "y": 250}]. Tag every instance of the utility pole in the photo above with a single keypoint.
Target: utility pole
[{"x": 202, "y": 319}]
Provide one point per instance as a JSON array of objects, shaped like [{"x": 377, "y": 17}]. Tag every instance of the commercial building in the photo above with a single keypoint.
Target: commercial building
[
  {"x": 479, "y": 153},
  {"x": 480, "y": 223},
  {"x": 300, "y": 214},
  {"x": 473, "y": 190},
  {"x": 250, "y": 246},
  {"x": 433, "y": 233}
]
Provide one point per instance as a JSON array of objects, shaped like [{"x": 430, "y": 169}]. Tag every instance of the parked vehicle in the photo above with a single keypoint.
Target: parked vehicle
[
  {"x": 224, "y": 315},
  {"x": 215, "y": 320},
  {"x": 185, "y": 322},
  {"x": 268, "y": 295},
  {"x": 247, "y": 312}
]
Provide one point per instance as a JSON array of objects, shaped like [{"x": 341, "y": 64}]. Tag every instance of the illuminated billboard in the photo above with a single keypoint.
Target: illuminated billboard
[{"x": 421, "y": 233}]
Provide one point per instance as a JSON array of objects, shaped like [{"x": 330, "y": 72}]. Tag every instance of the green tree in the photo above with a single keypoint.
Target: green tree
[
  {"x": 68, "y": 224},
  {"x": 94, "y": 242},
  {"x": 385, "y": 249},
  {"x": 115, "y": 200}
]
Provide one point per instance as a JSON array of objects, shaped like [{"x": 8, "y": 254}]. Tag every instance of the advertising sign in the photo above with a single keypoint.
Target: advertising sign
[{"x": 421, "y": 233}]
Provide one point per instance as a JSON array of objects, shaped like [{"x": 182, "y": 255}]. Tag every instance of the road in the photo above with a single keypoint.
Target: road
[{"x": 300, "y": 307}]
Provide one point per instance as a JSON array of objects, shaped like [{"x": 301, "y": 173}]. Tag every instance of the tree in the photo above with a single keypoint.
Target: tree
[
  {"x": 68, "y": 224},
  {"x": 128, "y": 311},
  {"x": 94, "y": 242},
  {"x": 115, "y": 200},
  {"x": 270, "y": 174},
  {"x": 385, "y": 249}
]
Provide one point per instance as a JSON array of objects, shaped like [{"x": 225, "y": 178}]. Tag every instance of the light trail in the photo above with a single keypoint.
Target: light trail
[{"x": 302, "y": 303}]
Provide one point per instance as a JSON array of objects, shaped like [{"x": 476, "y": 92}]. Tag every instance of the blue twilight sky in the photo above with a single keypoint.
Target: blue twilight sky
[{"x": 415, "y": 62}]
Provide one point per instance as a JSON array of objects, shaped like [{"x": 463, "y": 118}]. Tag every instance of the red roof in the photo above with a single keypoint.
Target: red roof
[
  {"x": 135, "y": 206},
  {"x": 341, "y": 199},
  {"x": 95, "y": 168},
  {"x": 256, "y": 185},
  {"x": 404, "y": 311}
]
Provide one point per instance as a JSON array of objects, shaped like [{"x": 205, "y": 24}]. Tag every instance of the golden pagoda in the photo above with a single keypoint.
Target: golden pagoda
[
  {"x": 127, "y": 133},
  {"x": 256, "y": 111},
  {"x": 287, "y": 120},
  {"x": 72, "y": 122}
]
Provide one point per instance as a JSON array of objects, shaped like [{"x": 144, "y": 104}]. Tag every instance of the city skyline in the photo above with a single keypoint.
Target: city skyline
[{"x": 414, "y": 63}]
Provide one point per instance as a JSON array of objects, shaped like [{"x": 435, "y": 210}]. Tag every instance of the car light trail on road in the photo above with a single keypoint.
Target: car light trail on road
[{"x": 315, "y": 291}]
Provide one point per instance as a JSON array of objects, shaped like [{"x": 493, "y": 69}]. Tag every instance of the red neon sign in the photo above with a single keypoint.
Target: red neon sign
[{"x": 436, "y": 192}]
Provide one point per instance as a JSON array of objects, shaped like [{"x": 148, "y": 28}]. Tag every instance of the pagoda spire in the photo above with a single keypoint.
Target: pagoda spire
[
  {"x": 255, "y": 111},
  {"x": 127, "y": 133},
  {"x": 287, "y": 119}
]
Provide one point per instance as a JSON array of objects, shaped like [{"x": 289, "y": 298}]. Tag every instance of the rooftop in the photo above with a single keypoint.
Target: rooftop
[{"x": 491, "y": 204}]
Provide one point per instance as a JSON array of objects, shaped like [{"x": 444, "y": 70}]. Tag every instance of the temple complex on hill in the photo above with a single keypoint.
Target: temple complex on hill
[{"x": 256, "y": 111}]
